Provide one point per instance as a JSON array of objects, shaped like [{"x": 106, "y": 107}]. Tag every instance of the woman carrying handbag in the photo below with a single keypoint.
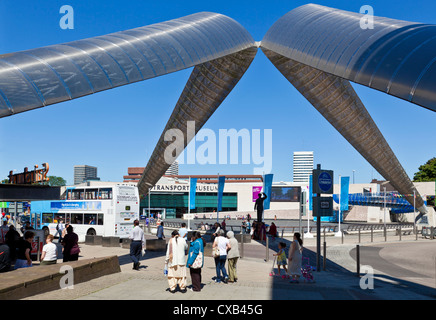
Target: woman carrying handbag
[{"x": 196, "y": 260}]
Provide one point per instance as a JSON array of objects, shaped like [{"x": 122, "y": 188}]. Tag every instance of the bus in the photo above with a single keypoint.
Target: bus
[{"x": 104, "y": 210}]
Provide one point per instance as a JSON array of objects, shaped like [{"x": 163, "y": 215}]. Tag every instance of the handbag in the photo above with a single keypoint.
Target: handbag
[
  {"x": 216, "y": 252},
  {"x": 75, "y": 249},
  {"x": 198, "y": 262}
]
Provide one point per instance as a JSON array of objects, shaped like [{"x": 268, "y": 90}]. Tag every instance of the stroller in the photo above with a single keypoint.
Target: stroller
[{"x": 306, "y": 271}]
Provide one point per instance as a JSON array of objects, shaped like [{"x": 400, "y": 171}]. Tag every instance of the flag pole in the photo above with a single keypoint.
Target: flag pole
[
  {"x": 339, "y": 234},
  {"x": 217, "y": 197}
]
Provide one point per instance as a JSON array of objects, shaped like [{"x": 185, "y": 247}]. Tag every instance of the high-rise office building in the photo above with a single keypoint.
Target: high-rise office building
[
  {"x": 303, "y": 165},
  {"x": 173, "y": 170},
  {"x": 83, "y": 173}
]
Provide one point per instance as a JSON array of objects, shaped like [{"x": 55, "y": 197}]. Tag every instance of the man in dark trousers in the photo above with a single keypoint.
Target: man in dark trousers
[
  {"x": 259, "y": 205},
  {"x": 138, "y": 242}
]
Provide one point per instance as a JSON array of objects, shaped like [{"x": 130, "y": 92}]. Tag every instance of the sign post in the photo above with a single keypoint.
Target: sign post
[{"x": 322, "y": 206}]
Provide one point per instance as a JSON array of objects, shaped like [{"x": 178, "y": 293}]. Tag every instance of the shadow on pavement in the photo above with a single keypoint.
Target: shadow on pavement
[{"x": 332, "y": 291}]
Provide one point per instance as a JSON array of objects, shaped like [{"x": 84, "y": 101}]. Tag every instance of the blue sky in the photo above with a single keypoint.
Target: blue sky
[{"x": 119, "y": 128}]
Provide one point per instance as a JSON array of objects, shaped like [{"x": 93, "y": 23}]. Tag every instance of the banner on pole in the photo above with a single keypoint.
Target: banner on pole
[
  {"x": 192, "y": 190},
  {"x": 267, "y": 185},
  {"x": 221, "y": 181},
  {"x": 310, "y": 193},
  {"x": 345, "y": 186}
]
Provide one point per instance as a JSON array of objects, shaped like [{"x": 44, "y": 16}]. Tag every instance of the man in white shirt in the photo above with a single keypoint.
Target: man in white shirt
[
  {"x": 183, "y": 232},
  {"x": 138, "y": 242}
]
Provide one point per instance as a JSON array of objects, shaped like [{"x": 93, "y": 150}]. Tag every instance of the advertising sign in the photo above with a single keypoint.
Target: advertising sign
[
  {"x": 256, "y": 191},
  {"x": 76, "y": 205}
]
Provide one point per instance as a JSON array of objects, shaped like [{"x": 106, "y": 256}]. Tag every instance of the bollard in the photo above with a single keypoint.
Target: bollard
[
  {"x": 359, "y": 235},
  {"x": 325, "y": 256},
  {"x": 416, "y": 233},
  {"x": 38, "y": 255},
  {"x": 358, "y": 260},
  {"x": 342, "y": 236},
  {"x": 267, "y": 250},
  {"x": 386, "y": 236},
  {"x": 283, "y": 230},
  {"x": 400, "y": 232},
  {"x": 242, "y": 247},
  {"x": 372, "y": 233},
  {"x": 324, "y": 234}
]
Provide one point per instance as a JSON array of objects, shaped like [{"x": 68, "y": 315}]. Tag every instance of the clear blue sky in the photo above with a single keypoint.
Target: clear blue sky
[{"x": 119, "y": 128}]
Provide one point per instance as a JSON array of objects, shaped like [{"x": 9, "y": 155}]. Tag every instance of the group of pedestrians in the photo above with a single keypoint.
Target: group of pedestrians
[
  {"x": 225, "y": 249},
  {"x": 15, "y": 250},
  {"x": 177, "y": 261}
]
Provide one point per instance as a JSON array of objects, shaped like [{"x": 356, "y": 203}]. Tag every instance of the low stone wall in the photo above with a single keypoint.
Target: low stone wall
[{"x": 27, "y": 282}]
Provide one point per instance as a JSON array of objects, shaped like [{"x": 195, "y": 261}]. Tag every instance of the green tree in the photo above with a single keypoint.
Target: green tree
[
  {"x": 56, "y": 181},
  {"x": 427, "y": 172}
]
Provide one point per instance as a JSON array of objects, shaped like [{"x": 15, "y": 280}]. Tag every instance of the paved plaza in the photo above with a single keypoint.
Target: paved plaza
[{"x": 402, "y": 271}]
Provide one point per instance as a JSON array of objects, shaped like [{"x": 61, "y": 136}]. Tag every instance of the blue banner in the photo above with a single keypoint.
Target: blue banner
[
  {"x": 192, "y": 190},
  {"x": 267, "y": 185},
  {"x": 75, "y": 205},
  {"x": 345, "y": 186},
  {"x": 221, "y": 181},
  {"x": 310, "y": 193}
]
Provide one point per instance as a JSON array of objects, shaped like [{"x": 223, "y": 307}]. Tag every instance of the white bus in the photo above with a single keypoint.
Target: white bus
[{"x": 104, "y": 210}]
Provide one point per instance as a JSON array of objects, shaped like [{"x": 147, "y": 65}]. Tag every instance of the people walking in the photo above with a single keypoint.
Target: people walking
[
  {"x": 71, "y": 248},
  {"x": 223, "y": 246},
  {"x": 232, "y": 256},
  {"x": 59, "y": 230},
  {"x": 295, "y": 257},
  {"x": 160, "y": 231},
  {"x": 183, "y": 232},
  {"x": 138, "y": 242},
  {"x": 196, "y": 260},
  {"x": 176, "y": 261}
]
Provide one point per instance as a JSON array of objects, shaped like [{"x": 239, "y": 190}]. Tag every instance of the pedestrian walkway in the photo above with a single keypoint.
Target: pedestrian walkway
[{"x": 339, "y": 282}]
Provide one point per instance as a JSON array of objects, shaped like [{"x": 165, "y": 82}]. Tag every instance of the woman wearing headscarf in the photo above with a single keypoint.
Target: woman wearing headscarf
[
  {"x": 232, "y": 256},
  {"x": 196, "y": 260},
  {"x": 295, "y": 257},
  {"x": 176, "y": 260}
]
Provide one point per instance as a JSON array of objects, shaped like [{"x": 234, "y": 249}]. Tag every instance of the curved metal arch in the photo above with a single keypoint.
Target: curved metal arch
[
  {"x": 317, "y": 58},
  {"x": 396, "y": 57},
  {"x": 39, "y": 77}
]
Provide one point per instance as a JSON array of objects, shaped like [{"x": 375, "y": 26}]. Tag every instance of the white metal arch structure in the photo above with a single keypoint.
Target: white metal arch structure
[
  {"x": 318, "y": 49},
  {"x": 218, "y": 47},
  {"x": 39, "y": 77}
]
